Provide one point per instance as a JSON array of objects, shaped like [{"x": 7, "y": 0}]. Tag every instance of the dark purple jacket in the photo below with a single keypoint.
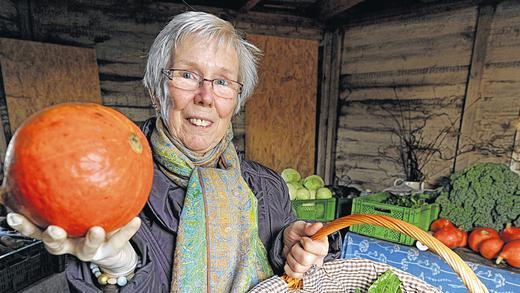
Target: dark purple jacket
[{"x": 155, "y": 239}]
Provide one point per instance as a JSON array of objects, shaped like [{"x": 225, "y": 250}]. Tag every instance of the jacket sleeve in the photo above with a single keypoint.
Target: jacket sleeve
[
  {"x": 275, "y": 212},
  {"x": 276, "y": 251}
]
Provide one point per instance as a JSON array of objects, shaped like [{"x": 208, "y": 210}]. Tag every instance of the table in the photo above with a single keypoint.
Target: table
[{"x": 427, "y": 265}]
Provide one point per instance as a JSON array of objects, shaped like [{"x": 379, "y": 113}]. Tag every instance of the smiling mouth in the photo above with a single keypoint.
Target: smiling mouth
[{"x": 199, "y": 122}]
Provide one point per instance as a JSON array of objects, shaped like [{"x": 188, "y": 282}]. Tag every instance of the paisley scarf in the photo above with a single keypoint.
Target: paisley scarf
[{"x": 218, "y": 248}]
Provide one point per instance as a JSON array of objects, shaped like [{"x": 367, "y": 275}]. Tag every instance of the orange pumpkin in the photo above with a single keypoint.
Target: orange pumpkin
[{"x": 77, "y": 166}]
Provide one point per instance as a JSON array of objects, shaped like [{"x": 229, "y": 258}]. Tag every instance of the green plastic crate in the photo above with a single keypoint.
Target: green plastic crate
[
  {"x": 421, "y": 217},
  {"x": 315, "y": 209}
]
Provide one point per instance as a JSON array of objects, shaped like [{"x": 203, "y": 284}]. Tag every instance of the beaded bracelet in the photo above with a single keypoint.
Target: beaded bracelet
[{"x": 106, "y": 279}]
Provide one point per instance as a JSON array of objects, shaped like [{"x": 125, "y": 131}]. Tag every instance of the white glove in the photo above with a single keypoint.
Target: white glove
[{"x": 112, "y": 252}]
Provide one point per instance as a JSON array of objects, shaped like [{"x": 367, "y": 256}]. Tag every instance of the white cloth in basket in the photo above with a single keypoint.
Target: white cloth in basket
[{"x": 346, "y": 275}]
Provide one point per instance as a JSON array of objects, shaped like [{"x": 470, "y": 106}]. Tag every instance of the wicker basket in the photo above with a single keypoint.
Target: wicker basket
[{"x": 467, "y": 275}]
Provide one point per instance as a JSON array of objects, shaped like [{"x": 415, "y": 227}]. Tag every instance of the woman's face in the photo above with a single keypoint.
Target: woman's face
[{"x": 199, "y": 118}]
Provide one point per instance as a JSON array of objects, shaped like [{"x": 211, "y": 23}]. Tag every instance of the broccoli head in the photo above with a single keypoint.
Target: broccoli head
[{"x": 483, "y": 195}]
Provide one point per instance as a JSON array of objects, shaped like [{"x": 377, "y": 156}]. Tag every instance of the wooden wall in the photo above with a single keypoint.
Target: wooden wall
[
  {"x": 425, "y": 64},
  {"x": 433, "y": 62},
  {"x": 121, "y": 33},
  {"x": 490, "y": 124}
]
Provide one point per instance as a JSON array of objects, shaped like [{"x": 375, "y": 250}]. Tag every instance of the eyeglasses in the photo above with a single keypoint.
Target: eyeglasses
[{"x": 190, "y": 81}]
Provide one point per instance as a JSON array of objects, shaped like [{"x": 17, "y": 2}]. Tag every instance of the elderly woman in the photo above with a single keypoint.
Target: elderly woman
[{"x": 213, "y": 221}]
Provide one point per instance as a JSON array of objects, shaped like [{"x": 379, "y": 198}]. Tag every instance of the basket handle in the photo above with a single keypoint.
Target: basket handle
[{"x": 467, "y": 275}]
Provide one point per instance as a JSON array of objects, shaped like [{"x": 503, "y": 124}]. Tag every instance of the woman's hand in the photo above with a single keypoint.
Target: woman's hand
[
  {"x": 302, "y": 252},
  {"x": 112, "y": 252}
]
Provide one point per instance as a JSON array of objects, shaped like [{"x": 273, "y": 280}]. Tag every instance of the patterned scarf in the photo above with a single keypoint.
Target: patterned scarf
[{"x": 218, "y": 248}]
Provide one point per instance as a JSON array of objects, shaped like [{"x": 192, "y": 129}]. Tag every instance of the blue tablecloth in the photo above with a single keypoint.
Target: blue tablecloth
[{"x": 427, "y": 265}]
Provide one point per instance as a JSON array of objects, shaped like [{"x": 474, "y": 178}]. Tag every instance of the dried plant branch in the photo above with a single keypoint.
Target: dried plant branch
[{"x": 413, "y": 150}]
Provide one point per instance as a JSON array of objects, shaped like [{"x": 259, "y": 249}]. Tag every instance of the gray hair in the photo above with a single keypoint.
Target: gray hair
[{"x": 207, "y": 27}]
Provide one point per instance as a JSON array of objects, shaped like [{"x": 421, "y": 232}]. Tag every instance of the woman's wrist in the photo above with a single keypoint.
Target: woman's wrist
[
  {"x": 125, "y": 264},
  {"x": 104, "y": 278},
  {"x": 118, "y": 269},
  {"x": 120, "y": 263}
]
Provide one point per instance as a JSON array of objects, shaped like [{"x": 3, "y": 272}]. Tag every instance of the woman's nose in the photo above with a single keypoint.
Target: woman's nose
[{"x": 205, "y": 95}]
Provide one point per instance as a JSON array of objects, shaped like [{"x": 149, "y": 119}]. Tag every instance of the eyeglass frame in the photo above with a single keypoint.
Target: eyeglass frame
[{"x": 168, "y": 72}]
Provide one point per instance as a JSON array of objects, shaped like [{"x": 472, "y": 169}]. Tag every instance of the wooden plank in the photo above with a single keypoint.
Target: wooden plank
[
  {"x": 400, "y": 13},
  {"x": 427, "y": 76},
  {"x": 5, "y": 126},
  {"x": 9, "y": 23},
  {"x": 457, "y": 42},
  {"x": 38, "y": 75},
  {"x": 321, "y": 142},
  {"x": 473, "y": 92},
  {"x": 332, "y": 8},
  {"x": 326, "y": 141},
  {"x": 24, "y": 17},
  {"x": 412, "y": 92},
  {"x": 248, "y": 5},
  {"x": 136, "y": 114},
  {"x": 401, "y": 28},
  {"x": 335, "y": 69},
  {"x": 239, "y": 130},
  {"x": 281, "y": 115},
  {"x": 515, "y": 156}
]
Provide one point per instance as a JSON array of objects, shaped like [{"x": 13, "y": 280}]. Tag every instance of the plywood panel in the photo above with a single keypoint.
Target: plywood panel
[
  {"x": 38, "y": 75},
  {"x": 281, "y": 116}
]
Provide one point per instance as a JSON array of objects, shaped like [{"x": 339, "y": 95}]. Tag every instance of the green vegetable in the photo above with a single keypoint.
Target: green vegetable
[
  {"x": 291, "y": 175},
  {"x": 483, "y": 195},
  {"x": 408, "y": 201},
  {"x": 323, "y": 193},
  {"x": 388, "y": 282},
  {"x": 313, "y": 182},
  {"x": 293, "y": 189},
  {"x": 303, "y": 194},
  {"x": 312, "y": 194}
]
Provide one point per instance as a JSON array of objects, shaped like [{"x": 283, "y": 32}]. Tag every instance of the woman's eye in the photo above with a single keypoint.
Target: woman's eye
[
  {"x": 223, "y": 82},
  {"x": 187, "y": 75}
]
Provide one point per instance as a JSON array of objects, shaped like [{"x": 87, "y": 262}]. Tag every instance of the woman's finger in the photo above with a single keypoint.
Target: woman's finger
[
  {"x": 289, "y": 272},
  {"x": 119, "y": 238},
  {"x": 301, "y": 256},
  {"x": 316, "y": 247},
  {"x": 295, "y": 265},
  {"x": 93, "y": 240},
  {"x": 23, "y": 225},
  {"x": 55, "y": 238}
]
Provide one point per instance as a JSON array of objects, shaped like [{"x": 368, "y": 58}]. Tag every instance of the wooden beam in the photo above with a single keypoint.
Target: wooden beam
[
  {"x": 248, "y": 5},
  {"x": 321, "y": 141},
  {"x": 470, "y": 111},
  {"x": 332, "y": 8},
  {"x": 515, "y": 156},
  {"x": 4, "y": 120},
  {"x": 25, "y": 19},
  {"x": 327, "y": 128}
]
